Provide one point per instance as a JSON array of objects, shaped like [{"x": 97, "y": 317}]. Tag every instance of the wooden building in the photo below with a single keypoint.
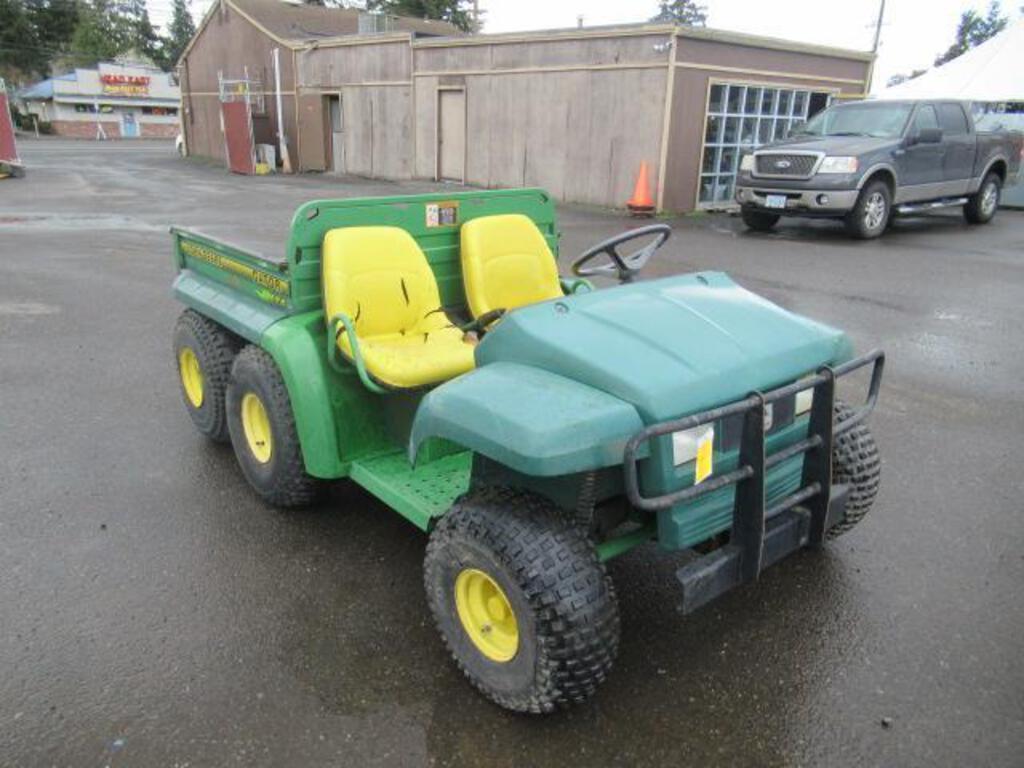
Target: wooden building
[{"x": 574, "y": 111}]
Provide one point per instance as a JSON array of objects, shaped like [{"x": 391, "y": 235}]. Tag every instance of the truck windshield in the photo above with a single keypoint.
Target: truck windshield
[{"x": 883, "y": 121}]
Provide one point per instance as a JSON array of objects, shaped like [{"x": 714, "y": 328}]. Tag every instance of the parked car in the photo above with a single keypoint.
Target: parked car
[{"x": 866, "y": 161}]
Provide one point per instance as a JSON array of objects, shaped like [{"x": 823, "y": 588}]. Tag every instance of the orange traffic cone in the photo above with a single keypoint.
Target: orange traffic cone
[{"x": 641, "y": 204}]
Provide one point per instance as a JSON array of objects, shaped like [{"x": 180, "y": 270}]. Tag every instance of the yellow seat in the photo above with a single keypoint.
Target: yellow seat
[
  {"x": 506, "y": 263},
  {"x": 380, "y": 279}
]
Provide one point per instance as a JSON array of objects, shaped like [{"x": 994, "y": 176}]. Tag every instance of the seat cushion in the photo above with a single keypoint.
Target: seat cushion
[
  {"x": 410, "y": 361},
  {"x": 379, "y": 277},
  {"x": 506, "y": 263}
]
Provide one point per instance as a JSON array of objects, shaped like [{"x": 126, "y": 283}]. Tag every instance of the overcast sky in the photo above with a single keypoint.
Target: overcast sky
[{"x": 914, "y": 33}]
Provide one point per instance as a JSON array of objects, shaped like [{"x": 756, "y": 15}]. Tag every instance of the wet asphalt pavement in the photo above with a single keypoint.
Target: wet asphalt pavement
[{"x": 154, "y": 613}]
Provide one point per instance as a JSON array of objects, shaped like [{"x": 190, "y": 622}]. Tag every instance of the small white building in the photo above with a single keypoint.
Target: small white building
[{"x": 117, "y": 100}]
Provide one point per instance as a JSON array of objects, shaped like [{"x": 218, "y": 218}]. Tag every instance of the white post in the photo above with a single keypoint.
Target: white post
[{"x": 286, "y": 163}]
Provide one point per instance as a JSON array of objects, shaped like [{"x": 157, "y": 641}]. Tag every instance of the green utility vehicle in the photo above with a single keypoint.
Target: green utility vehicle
[{"x": 426, "y": 348}]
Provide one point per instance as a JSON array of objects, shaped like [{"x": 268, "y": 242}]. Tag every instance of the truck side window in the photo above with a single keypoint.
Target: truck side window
[
  {"x": 953, "y": 121},
  {"x": 925, "y": 117}
]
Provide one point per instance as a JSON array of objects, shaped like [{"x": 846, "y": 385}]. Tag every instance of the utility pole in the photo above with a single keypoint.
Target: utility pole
[{"x": 874, "y": 45}]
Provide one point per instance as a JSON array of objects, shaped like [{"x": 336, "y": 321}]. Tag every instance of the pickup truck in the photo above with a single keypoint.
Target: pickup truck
[{"x": 866, "y": 161}]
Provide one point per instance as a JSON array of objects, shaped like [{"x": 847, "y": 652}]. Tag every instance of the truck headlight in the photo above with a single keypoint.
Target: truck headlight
[
  {"x": 838, "y": 165},
  {"x": 695, "y": 444},
  {"x": 747, "y": 163},
  {"x": 804, "y": 401}
]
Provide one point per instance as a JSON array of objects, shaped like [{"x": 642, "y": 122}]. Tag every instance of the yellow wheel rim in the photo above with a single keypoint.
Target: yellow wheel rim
[
  {"x": 486, "y": 615},
  {"x": 191, "y": 376},
  {"x": 256, "y": 425}
]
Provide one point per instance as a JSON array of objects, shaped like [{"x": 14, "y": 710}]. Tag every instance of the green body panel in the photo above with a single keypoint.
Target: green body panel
[
  {"x": 530, "y": 420},
  {"x": 669, "y": 347},
  {"x": 238, "y": 312}
]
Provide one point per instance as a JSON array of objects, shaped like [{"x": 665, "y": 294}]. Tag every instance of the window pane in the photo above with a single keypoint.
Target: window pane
[
  {"x": 723, "y": 191},
  {"x": 717, "y": 101},
  {"x": 784, "y": 99},
  {"x": 768, "y": 101},
  {"x": 800, "y": 103},
  {"x": 753, "y": 101},
  {"x": 713, "y": 134},
  {"x": 764, "y": 131},
  {"x": 732, "y": 130},
  {"x": 736, "y": 98},
  {"x": 728, "y": 162},
  {"x": 707, "y": 189},
  {"x": 710, "y": 160},
  {"x": 780, "y": 129},
  {"x": 748, "y": 130}
]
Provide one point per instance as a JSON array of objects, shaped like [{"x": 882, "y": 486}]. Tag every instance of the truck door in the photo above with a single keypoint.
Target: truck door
[
  {"x": 920, "y": 164},
  {"x": 958, "y": 163}
]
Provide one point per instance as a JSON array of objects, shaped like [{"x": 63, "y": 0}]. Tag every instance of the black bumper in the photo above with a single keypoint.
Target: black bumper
[{"x": 760, "y": 535}]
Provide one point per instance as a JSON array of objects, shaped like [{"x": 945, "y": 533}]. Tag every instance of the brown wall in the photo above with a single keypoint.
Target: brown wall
[
  {"x": 373, "y": 82},
  {"x": 739, "y": 64},
  {"x": 229, "y": 43},
  {"x": 574, "y": 116}
]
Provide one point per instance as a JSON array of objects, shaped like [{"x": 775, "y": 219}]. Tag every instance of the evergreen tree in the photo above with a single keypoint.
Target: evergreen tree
[
  {"x": 686, "y": 12},
  {"x": 102, "y": 33},
  {"x": 181, "y": 30},
  {"x": 21, "y": 56},
  {"x": 974, "y": 29},
  {"x": 456, "y": 12}
]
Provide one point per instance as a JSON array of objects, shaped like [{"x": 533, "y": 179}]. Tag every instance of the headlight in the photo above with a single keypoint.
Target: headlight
[
  {"x": 747, "y": 163},
  {"x": 804, "y": 398},
  {"x": 838, "y": 165},
  {"x": 695, "y": 444}
]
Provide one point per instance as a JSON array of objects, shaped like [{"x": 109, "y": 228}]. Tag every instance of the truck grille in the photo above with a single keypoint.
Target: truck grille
[{"x": 785, "y": 165}]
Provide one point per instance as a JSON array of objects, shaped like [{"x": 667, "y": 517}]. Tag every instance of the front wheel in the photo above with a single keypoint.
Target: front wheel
[
  {"x": 870, "y": 215},
  {"x": 759, "y": 221},
  {"x": 521, "y": 600},
  {"x": 856, "y": 463},
  {"x": 981, "y": 207}
]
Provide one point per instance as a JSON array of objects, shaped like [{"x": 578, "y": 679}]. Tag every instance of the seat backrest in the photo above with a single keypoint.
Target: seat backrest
[
  {"x": 506, "y": 263},
  {"x": 379, "y": 277}
]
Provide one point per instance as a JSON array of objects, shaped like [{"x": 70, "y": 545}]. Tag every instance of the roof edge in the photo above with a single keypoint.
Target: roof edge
[{"x": 774, "y": 43}]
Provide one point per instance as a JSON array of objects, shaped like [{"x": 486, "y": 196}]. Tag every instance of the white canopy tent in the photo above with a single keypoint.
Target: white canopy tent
[{"x": 992, "y": 72}]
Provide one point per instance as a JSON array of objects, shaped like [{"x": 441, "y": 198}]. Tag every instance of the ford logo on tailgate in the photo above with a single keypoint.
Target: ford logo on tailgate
[{"x": 782, "y": 164}]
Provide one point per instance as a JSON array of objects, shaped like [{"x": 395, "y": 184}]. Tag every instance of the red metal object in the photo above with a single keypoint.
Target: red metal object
[
  {"x": 8, "y": 149},
  {"x": 238, "y": 139}
]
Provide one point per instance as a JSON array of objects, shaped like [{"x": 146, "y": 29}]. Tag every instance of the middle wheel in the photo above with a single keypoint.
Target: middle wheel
[{"x": 521, "y": 599}]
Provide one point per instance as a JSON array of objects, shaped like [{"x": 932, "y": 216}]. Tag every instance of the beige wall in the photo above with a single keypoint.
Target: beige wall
[
  {"x": 373, "y": 81},
  {"x": 575, "y": 116}
]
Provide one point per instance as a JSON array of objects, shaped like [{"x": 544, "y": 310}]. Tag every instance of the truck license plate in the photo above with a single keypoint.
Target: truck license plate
[{"x": 775, "y": 201}]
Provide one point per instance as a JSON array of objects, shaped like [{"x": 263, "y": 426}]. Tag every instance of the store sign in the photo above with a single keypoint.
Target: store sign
[{"x": 125, "y": 85}]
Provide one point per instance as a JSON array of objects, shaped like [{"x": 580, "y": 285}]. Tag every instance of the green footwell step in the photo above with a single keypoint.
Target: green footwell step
[{"x": 419, "y": 494}]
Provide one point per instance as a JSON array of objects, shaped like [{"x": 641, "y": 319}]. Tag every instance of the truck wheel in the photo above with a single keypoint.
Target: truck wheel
[
  {"x": 871, "y": 213},
  {"x": 855, "y": 462},
  {"x": 521, "y": 600},
  {"x": 982, "y": 205},
  {"x": 204, "y": 352},
  {"x": 759, "y": 221},
  {"x": 263, "y": 432}
]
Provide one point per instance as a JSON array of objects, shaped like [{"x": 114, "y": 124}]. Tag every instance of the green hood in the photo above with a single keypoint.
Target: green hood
[{"x": 668, "y": 347}]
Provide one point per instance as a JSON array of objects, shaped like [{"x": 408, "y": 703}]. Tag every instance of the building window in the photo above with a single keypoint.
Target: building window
[
  {"x": 160, "y": 111},
  {"x": 741, "y": 117}
]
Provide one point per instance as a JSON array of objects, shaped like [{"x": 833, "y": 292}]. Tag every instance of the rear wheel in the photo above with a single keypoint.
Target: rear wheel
[
  {"x": 204, "y": 352},
  {"x": 856, "y": 463},
  {"x": 870, "y": 215},
  {"x": 982, "y": 205},
  {"x": 759, "y": 221},
  {"x": 263, "y": 432},
  {"x": 521, "y": 600}
]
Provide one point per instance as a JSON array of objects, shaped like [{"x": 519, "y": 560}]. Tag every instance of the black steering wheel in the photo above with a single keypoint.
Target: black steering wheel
[{"x": 626, "y": 267}]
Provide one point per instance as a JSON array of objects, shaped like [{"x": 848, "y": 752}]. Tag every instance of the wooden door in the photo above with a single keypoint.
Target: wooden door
[{"x": 451, "y": 135}]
